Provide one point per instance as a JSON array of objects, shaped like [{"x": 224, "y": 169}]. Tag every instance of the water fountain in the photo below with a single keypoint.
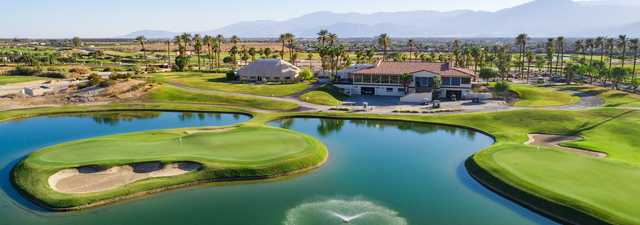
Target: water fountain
[{"x": 342, "y": 211}]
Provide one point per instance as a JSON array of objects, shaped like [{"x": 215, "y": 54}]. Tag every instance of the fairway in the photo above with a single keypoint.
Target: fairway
[
  {"x": 237, "y": 152},
  {"x": 531, "y": 96},
  {"x": 19, "y": 79},
  {"x": 218, "y": 82}
]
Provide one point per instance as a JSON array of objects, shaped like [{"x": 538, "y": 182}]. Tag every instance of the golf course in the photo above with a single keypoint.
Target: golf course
[{"x": 221, "y": 153}]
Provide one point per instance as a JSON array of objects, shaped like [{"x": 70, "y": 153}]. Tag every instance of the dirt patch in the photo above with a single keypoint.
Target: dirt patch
[
  {"x": 554, "y": 141},
  {"x": 91, "y": 179}
]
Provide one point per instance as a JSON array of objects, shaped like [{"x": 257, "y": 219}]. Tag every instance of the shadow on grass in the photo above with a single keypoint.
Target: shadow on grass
[{"x": 14, "y": 195}]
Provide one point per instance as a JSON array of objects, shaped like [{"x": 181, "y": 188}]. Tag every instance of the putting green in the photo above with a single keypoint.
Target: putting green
[{"x": 239, "y": 152}]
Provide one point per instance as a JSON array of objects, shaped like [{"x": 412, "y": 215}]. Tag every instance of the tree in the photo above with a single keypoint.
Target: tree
[
  {"x": 530, "y": 57},
  {"x": 634, "y": 46},
  {"x": 521, "y": 41},
  {"x": 208, "y": 41},
  {"x": 487, "y": 74},
  {"x": 267, "y": 52},
  {"x": 476, "y": 54},
  {"x": 220, "y": 40},
  {"x": 197, "y": 47},
  {"x": 309, "y": 59},
  {"x": 405, "y": 80},
  {"x": 384, "y": 41},
  {"x": 322, "y": 37},
  {"x": 503, "y": 61},
  {"x": 182, "y": 62},
  {"x": 599, "y": 43},
  {"x": 290, "y": 38},
  {"x": 610, "y": 45},
  {"x": 141, "y": 40},
  {"x": 550, "y": 50},
  {"x": 77, "y": 42},
  {"x": 618, "y": 74},
  {"x": 579, "y": 47},
  {"x": 560, "y": 54},
  {"x": 283, "y": 39},
  {"x": 412, "y": 46},
  {"x": 622, "y": 44}
]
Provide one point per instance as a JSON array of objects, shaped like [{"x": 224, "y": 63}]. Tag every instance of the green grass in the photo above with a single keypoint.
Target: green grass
[
  {"x": 171, "y": 94},
  {"x": 532, "y": 96},
  {"x": 612, "y": 98},
  {"x": 245, "y": 152},
  {"x": 218, "y": 82},
  {"x": 326, "y": 95},
  {"x": 18, "y": 79}
]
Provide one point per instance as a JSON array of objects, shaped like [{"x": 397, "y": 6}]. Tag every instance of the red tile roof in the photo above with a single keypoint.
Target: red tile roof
[{"x": 399, "y": 68}]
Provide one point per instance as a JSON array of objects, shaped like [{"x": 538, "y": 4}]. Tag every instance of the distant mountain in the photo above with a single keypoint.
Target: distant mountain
[
  {"x": 539, "y": 18},
  {"x": 150, "y": 34}
]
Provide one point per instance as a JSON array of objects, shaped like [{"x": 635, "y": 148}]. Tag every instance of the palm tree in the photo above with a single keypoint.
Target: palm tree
[
  {"x": 530, "y": 59},
  {"x": 253, "y": 52},
  {"x": 622, "y": 44},
  {"x": 412, "y": 45},
  {"x": 550, "y": 49},
  {"x": 322, "y": 37},
  {"x": 405, "y": 80},
  {"x": 169, "y": 53},
  {"x": 521, "y": 41},
  {"x": 455, "y": 49},
  {"x": 590, "y": 44},
  {"x": 208, "y": 41},
  {"x": 309, "y": 58},
  {"x": 220, "y": 40},
  {"x": 235, "y": 40},
  {"x": 476, "y": 53},
  {"x": 599, "y": 43},
  {"x": 141, "y": 40},
  {"x": 384, "y": 41},
  {"x": 634, "y": 45},
  {"x": 283, "y": 40},
  {"x": 197, "y": 47},
  {"x": 579, "y": 47},
  {"x": 610, "y": 45},
  {"x": 332, "y": 39},
  {"x": 560, "y": 54},
  {"x": 290, "y": 38}
]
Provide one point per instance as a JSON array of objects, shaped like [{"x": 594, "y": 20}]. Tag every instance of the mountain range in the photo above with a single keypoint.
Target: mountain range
[{"x": 538, "y": 18}]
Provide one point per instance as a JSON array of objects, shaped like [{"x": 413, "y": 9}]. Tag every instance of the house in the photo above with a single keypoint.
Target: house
[
  {"x": 384, "y": 79},
  {"x": 269, "y": 70}
]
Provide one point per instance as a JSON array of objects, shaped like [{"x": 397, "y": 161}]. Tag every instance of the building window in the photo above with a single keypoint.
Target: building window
[
  {"x": 287, "y": 78},
  {"x": 455, "y": 81},
  {"x": 446, "y": 81},
  {"x": 389, "y": 89},
  {"x": 277, "y": 78},
  {"x": 253, "y": 78},
  {"x": 400, "y": 89},
  {"x": 466, "y": 80}
]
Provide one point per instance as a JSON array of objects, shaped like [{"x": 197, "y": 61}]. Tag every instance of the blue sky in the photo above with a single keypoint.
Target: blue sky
[{"x": 108, "y": 18}]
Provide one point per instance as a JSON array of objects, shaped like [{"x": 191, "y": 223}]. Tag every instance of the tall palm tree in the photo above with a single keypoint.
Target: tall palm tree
[
  {"x": 622, "y": 44},
  {"x": 610, "y": 44},
  {"x": 322, "y": 36},
  {"x": 169, "y": 53},
  {"x": 412, "y": 45},
  {"x": 634, "y": 46},
  {"x": 220, "y": 41},
  {"x": 550, "y": 49},
  {"x": 290, "y": 38},
  {"x": 599, "y": 43},
  {"x": 476, "y": 54},
  {"x": 560, "y": 55},
  {"x": 197, "y": 47},
  {"x": 208, "y": 41},
  {"x": 530, "y": 58},
  {"x": 141, "y": 40},
  {"x": 521, "y": 41},
  {"x": 332, "y": 39},
  {"x": 590, "y": 44},
  {"x": 579, "y": 47},
  {"x": 455, "y": 49},
  {"x": 283, "y": 40},
  {"x": 384, "y": 41}
]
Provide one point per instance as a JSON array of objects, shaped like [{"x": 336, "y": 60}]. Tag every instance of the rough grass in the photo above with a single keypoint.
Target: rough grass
[
  {"x": 171, "y": 94},
  {"x": 532, "y": 96},
  {"x": 18, "y": 79},
  {"x": 218, "y": 82},
  {"x": 245, "y": 152}
]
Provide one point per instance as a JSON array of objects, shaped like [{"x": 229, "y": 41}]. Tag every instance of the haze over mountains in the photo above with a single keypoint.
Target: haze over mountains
[{"x": 539, "y": 18}]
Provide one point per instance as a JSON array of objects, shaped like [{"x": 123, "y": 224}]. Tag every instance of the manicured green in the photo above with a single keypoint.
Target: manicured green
[
  {"x": 234, "y": 152},
  {"x": 532, "y": 96},
  {"x": 18, "y": 79},
  {"x": 172, "y": 94},
  {"x": 218, "y": 82}
]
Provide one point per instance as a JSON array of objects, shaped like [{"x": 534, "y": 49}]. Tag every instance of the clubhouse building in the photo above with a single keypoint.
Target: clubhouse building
[{"x": 384, "y": 79}]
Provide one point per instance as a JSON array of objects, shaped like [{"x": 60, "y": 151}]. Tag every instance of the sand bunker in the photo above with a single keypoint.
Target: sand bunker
[
  {"x": 90, "y": 179},
  {"x": 547, "y": 140}
]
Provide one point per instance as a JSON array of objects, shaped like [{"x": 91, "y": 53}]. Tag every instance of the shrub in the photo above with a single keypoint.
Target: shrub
[
  {"x": 53, "y": 74},
  {"x": 80, "y": 70},
  {"x": 306, "y": 74},
  {"x": 26, "y": 71},
  {"x": 119, "y": 76},
  {"x": 182, "y": 63},
  {"x": 112, "y": 69},
  {"x": 220, "y": 70},
  {"x": 502, "y": 87},
  {"x": 231, "y": 75},
  {"x": 94, "y": 79}
]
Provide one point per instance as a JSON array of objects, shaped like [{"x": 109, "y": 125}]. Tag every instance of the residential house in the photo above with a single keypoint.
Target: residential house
[{"x": 269, "y": 70}]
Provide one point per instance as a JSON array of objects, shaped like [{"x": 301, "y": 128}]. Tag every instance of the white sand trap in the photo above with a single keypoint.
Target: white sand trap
[
  {"x": 91, "y": 179},
  {"x": 547, "y": 140}
]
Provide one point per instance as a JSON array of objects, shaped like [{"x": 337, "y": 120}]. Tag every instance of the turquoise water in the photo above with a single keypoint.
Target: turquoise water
[{"x": 389, "y": 172}]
